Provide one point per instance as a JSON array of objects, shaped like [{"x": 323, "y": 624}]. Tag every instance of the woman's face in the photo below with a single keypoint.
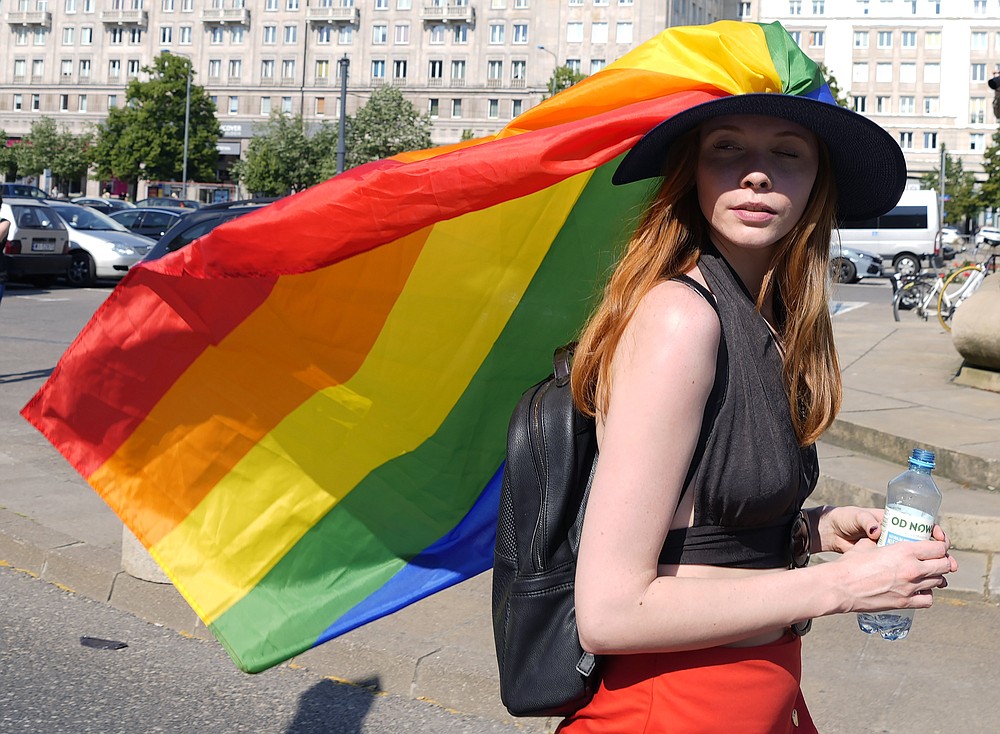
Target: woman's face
[{"x": 754, "y": 178}]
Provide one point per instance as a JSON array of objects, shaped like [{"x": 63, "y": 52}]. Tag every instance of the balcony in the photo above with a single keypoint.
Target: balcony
[
  {"x": 125, "y": 17},
  {"x": 41, "y": 18},
  {"x": 517, "y": 83},
  {"x": 289, "y": 81},
  {"x": 457, "y": 83},
  {"x": 431, "y": 13},
  {"x": 494, "y": 83},
  {"x": 350, "y": 16},
  {"x": 399, "y": 81},
  {"x": 226, "y": 16}
]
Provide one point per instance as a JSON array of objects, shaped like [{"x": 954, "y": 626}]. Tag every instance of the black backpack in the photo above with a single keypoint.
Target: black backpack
[{"x": 551, "y": 456}]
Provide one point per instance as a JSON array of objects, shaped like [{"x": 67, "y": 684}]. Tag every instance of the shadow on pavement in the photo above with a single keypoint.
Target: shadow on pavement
[{"x": 330, "y": 707}]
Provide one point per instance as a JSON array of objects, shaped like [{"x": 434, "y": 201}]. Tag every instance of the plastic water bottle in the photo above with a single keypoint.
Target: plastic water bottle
[{"x": 911, "y": 506}]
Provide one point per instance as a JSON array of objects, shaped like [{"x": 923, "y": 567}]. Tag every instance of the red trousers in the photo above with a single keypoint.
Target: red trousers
[{"x": 750, "y": 690}]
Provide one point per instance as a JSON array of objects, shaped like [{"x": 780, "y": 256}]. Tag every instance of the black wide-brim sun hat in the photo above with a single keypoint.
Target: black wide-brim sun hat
[{"x": 868, "y": 164}]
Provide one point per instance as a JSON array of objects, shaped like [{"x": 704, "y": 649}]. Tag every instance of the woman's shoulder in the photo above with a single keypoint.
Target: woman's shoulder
[{"x": 673, "y": 315}]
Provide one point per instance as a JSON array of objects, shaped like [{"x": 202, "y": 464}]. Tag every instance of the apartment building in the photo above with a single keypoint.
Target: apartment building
[
  {"x": 920, "y": 68},
  {"x": 472, "y": 65}
]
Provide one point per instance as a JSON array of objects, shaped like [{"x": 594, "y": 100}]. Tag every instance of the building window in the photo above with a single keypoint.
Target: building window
[
  {"x": 66, "y": 68},
  {"x": 456, "y": 108},
  {"x": 271, "y": 6},
  {"x": 977, "y": 141},
  {"x": 81, "y": 103},
  {"x": 132, "y": 68},
  {"x": 322, "y": 69},
  {"x": 114, "y": 68},
  {"x": 292, "y": 5},
  {"x": 18, "y": 103},
  {"x": 908, "y": 73},
  {"x": 437, "y": 35},
  {"x": 979, "y": 72},
  {"x": 932, "y": 39},
  {"x": 860, "y": 104},
  {"x": 36, "y": 102},
  {"x": 796, "y": 37},
  {"x": 908, "y": 39},
  {"x": 883, "y": 105},
  {"x": 599, "y": 33},
  {"x": 67, "y": 36},
  {"x": 520, "y": 33},
  {"x": 907, "y": 105},
  {"x": 265, "y": 106},
  {"x": 460, "y": 34},
  {"x": 816, "y": 39},
  {"x": 885, "y": 39},
  {"x": 497, "y": 31},
  {"x": 288, "y": 68},
  {"x": 286, "y": 105},
  {"x": 978, "y": 41},
  {"x": 819, "y": 7},
  {"x": 345, "y": 35},
  {"x": 234, "y": 105},
  {"x": 433, "y": 108},
  {"x": 270, "y": 34},
  {"x": 977, "y": 110},
  {"x": 217, "y": 36},
  {"x": 516, "y": 107},
  {"x": 623, "y": 33},
  {"x": 20, "y": 36},
  {"x": 860, "y": 39},
  {"x": 117, "y": 36},
  {"x": 112, "y": 101},
  {"x": 931, "y": 105},
  {"x": 86, "y": 36},
  {"x": 574, "y": 32},
  {"x": 324, "y": 35},
  {"x": 435, "y": 69},
  {"x": 236, "y": 34},
  {"x": 214, "y": 68},
  {"x": 320, "y": 106},
  {"x": 41, "y": 37},
  {"x": 235, "y": 68},
  {"x": 744, "y": 10},
  {"x": 494, "y": 70},
  {"x": 402, "y": 34},
  {"x": 573, "y": 65},
  {"x": 519, "y": 70},
  {"x": 291, "y": 34},
  {"x": 84, "y": 68},
  {"x": 932, "y": 73},
  {"x": 37, "y": 68},
  {"x": 979, "y": 7},
  {"x": 380, "y": 34},
  {"x": 267, "y": 69},
  {"x": 381, "y": 4},
  {"x": 930, "y": 141},
  {"x": 185, "y": 35},
  {"x": 399, "y": 69},
  {"x": 860, "y": 72},
  {"x": 795, "y": 7},
  {"x": 596, "y": 65},
  {"x": 378, "y": 69},
  {"x": 457, "y": 70},
  {"x": 883, "y": 72},
  {"x": 166, "y": 34},
  {"x": 906, "y": 141},
  {"x": 64, "y": 103},
  {"x": 70, "y": 6}
]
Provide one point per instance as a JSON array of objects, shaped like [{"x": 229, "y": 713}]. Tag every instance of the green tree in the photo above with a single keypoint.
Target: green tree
[
  {"x": 989, "y": 190},
  {"x": 145, "y": 138},
  {"x": 959, "y": 186},
  {"x": 838, "y": 95},
  {"x": 386, "y": 125},
  {"x": 282, "y": 158},
  {"x": 66, "y": 155},
  {"x": 564, "y": 78}
]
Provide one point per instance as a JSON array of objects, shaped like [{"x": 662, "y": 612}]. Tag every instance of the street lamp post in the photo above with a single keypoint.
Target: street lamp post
[
  {"x": 555, "y": 60},
  {"x": 187, "y": 124},
  {"x": 344, "y": 65}
]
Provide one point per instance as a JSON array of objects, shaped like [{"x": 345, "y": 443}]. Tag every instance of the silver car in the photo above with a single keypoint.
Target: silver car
[
  {"x": 848, "y": 265},
  {"x": 100, "y": 247}
]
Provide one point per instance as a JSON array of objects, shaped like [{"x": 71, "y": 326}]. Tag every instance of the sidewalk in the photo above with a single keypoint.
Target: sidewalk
[{"x": 898, "y": 394}]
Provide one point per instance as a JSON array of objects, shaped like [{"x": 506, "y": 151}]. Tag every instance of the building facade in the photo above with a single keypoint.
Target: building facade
[
  {"x": 471, "y": 65},
  {"x": 920, "y": 68}
]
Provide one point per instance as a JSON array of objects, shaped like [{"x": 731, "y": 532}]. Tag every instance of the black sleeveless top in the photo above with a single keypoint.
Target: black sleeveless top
[{"x": 748, "y": 474}]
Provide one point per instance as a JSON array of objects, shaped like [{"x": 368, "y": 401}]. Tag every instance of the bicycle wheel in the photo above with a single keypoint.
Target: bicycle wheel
[
  {"x": 910, "y": 295},
  {"x": 959, "y": 285}
]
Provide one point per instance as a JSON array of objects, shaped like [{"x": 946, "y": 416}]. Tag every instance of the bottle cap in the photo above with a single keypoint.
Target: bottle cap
[{"x": 922, "y": 458}]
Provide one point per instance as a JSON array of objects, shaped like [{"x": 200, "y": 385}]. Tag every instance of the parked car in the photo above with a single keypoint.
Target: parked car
[
  {"x": 848, "y": 265},
  {"x": 105, "y": 206},
  {"x": 100, "y": 247},
  {"x": 22, "y": 190},
  {"x": 201, "y": 222},
  {"x": 149, "y": 221},
  {"x": 169, "y": 201},
  {"x": 37, "y": 249},
  {"x": 988, "y": 236}
]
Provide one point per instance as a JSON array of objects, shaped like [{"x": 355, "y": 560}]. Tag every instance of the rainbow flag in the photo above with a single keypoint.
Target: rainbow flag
[{"x": 303, "y": 414}]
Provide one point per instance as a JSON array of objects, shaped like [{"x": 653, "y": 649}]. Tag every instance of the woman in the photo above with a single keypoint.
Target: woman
[
  {"x": 4, "y": 233},
  {"x": 707, "y": 423}
]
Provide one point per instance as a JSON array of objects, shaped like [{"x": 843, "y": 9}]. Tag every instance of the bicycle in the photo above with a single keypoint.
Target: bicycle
[
  {"x": 915, "y": 292},
  {"x": 960, "y": 285}
]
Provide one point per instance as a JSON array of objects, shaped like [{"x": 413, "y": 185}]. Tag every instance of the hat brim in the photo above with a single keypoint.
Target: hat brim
[{"x": 868, "y": 164}]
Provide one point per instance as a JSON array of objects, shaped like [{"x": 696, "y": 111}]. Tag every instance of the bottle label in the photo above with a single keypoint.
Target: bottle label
[{"x": 905, "y": 523}]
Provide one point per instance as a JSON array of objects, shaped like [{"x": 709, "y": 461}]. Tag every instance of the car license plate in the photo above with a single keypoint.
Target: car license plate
[{"x": 43, "y": 246}]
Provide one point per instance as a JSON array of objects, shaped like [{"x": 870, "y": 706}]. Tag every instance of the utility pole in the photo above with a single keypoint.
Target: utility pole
[
  {"x": 555, "y": 60},
  {"x": 344, "y": 64}
]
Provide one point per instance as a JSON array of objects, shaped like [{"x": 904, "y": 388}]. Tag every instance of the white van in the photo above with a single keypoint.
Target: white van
[{"x": 905, "y": 236}]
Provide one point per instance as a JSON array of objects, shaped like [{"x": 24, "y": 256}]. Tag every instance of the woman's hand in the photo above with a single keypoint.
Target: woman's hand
[
  {"x": 838, "y": 529},
  {"x": 898, "y": 576}
]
